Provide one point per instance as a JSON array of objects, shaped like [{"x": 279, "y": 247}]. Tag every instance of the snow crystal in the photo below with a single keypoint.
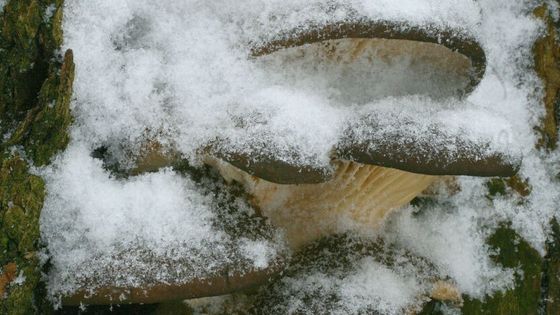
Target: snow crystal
[
  {"x": 348, "y": 275},
  {"x": 154, "y": 228},
  {"x": 49, "y": 12},
  {"x": 181, "y": 73},
  {"x": 20, "y": 279}
]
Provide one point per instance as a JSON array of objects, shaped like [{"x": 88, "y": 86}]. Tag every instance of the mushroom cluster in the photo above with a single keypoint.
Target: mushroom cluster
[
  {"x": 380, "y": 164},
  {"x": 372, "y": 172}
]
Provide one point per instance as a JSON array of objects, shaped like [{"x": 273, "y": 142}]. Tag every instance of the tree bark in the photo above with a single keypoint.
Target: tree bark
[{"x": 35, "y": 92}]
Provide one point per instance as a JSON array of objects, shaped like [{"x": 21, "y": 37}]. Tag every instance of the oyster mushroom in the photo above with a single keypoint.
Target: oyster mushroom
[
  {"x": 440, "y": 63},
  {"x": 383, "y": 159},
  {"x": 358, "y": 193},
  {"x": 246, "y": 253},
  {"x": 151, "y": 293},
  {"x": 344, "y": 274}
]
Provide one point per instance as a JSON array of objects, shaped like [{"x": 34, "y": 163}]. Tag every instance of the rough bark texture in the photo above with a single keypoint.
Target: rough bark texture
[
  {"x": 35, "y": 93},
  {"x": 551, "y": 274},
  {"x": 547, "y": 65}
]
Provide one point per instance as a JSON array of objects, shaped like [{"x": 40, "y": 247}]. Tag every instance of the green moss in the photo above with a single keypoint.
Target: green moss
[
  {"x": 47, "y": 132},
  {"x": 21, "y": 200},
  {"x": 524, "y": 299},
  {"x": 496, "y": 187},
  {"x": 551, "y": 283},
  {"x": 503, "y": 186},
  {"x": 22, "y": 21},
  {"x": 526, "y": 296},
  {"x": 35, "y": 93},
  {"x": 20, "y": 299},
  {"x": 547, "y": 65},
  {"x": 29, "y": 39}
]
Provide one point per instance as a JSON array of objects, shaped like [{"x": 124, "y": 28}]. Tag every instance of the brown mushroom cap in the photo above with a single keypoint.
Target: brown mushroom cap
[
  {"x": 454, "y": 40},
  {"x": 324, "y": 267},
  {"x": 396, "y": 150},
  {"x": 134, "y": 272},
  {"x": 417, "y": 157},
  {"x": 276, "y": 170},
  {"x": 223, "y": 283},
  {"x": 440, "y": 153}
]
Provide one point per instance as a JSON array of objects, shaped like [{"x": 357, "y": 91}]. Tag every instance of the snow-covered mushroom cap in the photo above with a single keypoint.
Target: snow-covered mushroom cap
[
  {"x": 175, "y": 234},
  {"x": 151, "y": 293},
  {"x": 367, "y": 60}
]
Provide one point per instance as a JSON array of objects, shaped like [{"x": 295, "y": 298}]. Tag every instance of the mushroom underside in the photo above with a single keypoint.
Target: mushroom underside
[
  {"x": 358, "y": 196},
  {"x": 362, "y": 70},
  {"x": 445, "y": 52}
]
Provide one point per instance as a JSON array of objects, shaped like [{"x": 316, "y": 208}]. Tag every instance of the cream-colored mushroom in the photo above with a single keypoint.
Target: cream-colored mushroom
[{"x": 357, "y": 194}]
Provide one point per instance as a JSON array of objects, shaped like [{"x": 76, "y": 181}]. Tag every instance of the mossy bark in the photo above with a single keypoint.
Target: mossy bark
[
  {"x": 512, "y": 252},
  {"x": 547, "y": 65},
  {"x": 529, "y": 295},
  {"x": 35, "y": 92},
  {"x": 551, "y": 274}
]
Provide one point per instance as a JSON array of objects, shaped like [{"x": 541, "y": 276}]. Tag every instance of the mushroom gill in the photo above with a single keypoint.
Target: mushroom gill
[{"x": 358, "y": 194}]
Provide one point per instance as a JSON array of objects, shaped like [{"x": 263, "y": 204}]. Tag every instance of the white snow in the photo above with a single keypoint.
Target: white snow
[
  {"x": 454, "y": 241},
  {"x": 49, "y": 12},
  {"x": 391, "y": 291},
  {"x": 351, "y": 275},
  {"x": 20, "y": 279},
  {"x": 154, "y": 228},
  {"x": 180, "y": 72}
]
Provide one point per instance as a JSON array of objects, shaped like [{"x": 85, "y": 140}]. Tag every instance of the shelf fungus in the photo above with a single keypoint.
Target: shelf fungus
[
  {"x": 385, "y": 156},
  {"x": 151, "y": 292},
  {"x": 229, "y": 249}
]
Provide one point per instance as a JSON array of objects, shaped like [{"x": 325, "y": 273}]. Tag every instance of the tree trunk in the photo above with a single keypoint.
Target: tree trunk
[{"x": 35, "y": 92}]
